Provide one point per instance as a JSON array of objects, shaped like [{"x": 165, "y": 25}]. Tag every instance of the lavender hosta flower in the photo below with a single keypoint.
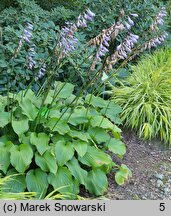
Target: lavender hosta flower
[
  {"x": 103, "y": 47},
  {"x": 27, "y": 33},
  {"x": 90, "y": 13},
  {"x": 82, "y": 19},
  {"x": 126, "y": 47},
  {"x": 156, "y": 41},
  {"x": 41, "y": 72},
  {"x": 26, "y": 36},
  {"x": 130, "y": 21},
  {"x": 127, "y": 25},
  {"x": 31, "y": 54},
  {"x": 134, "y": 14},
  {"x": 68, "y": 41},
  {"x": 160, "y": 16}
]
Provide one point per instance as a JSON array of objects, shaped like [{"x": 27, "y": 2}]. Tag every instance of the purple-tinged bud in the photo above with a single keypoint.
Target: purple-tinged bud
[
  {"x": 105, "y": 43},
  {"x": 118, "y": 47},
  {"x": 128, "y": 49},
  {"x": 134, "y": 36},
  {"x": 107, "y": 38},
  {"x": 101, "y": 53},
  {"x": 103, "y": 48},
  {"x": 134, "y": 14},
  {"x": 127, "y": 25},
  {"x": 90, "y": 13},
  {"x": 87, "y": 17},
  {"x": 130, "y": 21}
]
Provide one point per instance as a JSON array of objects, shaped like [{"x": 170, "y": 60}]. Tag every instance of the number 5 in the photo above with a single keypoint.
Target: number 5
[{"x": 162, "y": 206}]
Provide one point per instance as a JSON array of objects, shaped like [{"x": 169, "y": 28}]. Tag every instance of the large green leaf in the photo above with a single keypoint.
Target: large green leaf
[
  {"x": 21, "y": 157},
  {"x": 79, "y": 116},
  {"x": 40, "y": 140},
  {"x": 97, "y": 182},
  {"x": 20, "y": 126},
  {"x": 16, "y": 183},
  {"x": 60, "y": 126},
  {"x": 100, "y": 121},
  {"x": 78, "y": 134},
  {"x": 95, "y": 158},
  {"x": 63, "y": 181},
  {"x": 3, "y": 103},
  {"x": 80, "y": 147},
  {"x": 5, "y": 156},
  {"x": 4, "y": 119},
  {"x": 28, "y": 95},
  {"x": 28, "y": 108},
  {"x": 112, "y": 113},
  {"x": 79, "y": 173},
  {"x": 63, "y": 90},
  {"x": 47, "y": 162},
  {"x": 122, "y": 174},
  {"x": 95, "y": 101},
  {"x": 117, "y": 147},
  {"x": 37, "y": 182},
  {"x": 64, "y": 151},
  {"x": 98, "y": 134}
]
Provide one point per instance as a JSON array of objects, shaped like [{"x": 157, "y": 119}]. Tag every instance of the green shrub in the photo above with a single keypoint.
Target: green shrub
[
  {"x": 76, "y": 67},
  {"x": 146, "y": 97},
  {"x": 60, "y": 140}
]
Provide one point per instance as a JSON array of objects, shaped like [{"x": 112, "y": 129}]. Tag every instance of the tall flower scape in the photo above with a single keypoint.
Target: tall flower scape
[{"x": 125, "y": 50}]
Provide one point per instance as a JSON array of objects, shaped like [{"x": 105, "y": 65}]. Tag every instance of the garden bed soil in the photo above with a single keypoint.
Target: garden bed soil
[{"x": 150, "y": 163}]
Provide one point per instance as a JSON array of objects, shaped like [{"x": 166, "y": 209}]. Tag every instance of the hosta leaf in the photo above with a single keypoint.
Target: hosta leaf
[
  {"x": 47, "y": 162},
  {"x": 63, "y": 181},
  {"x": 95, "y": 158},
  {"x": 79, "y": 173},
  {"x": 80, "y": 147},
  {"x": 37, "y": 182},
  {"x": 98, "y": 134},
  {"x": 122, "y": 174},
  {"x": 16, "y": 183},
  {"x": 117, "y": 147},
  {"x": 61, "y": 127},
  {"x": 4, "y": 119},
  {"x": 64, "y": 90},
  {"x": 40, "y": 140},
  {"x": 97, "y": 182},
  {"x": 5, "y": 156},
  {"x": 79, "y": 116},
  {"x": 3, "y": 103},
  {"x": 64, "y": 151},
  {"x": 20, "y": 126},
  {"x": 95, "y": 101},
  {"x": 78, "y": 134},
  {"x": 100, "y": 121},
  {"x": 21, "y": 157},
  {"x": 28, "y": 108},
  {"x": 112, "y": 113}
]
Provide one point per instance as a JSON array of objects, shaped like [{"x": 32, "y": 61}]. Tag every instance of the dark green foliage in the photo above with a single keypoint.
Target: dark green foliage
[
  {"x": 14, "y": 74},
  {"x": 56, "y": 141}
]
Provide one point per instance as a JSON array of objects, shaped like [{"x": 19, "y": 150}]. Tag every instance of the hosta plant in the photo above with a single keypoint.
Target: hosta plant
[
  {"x": 59, "y": 142},
  {"x": 12, "y": 195},
  {"x": 146, "y": 97}
]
